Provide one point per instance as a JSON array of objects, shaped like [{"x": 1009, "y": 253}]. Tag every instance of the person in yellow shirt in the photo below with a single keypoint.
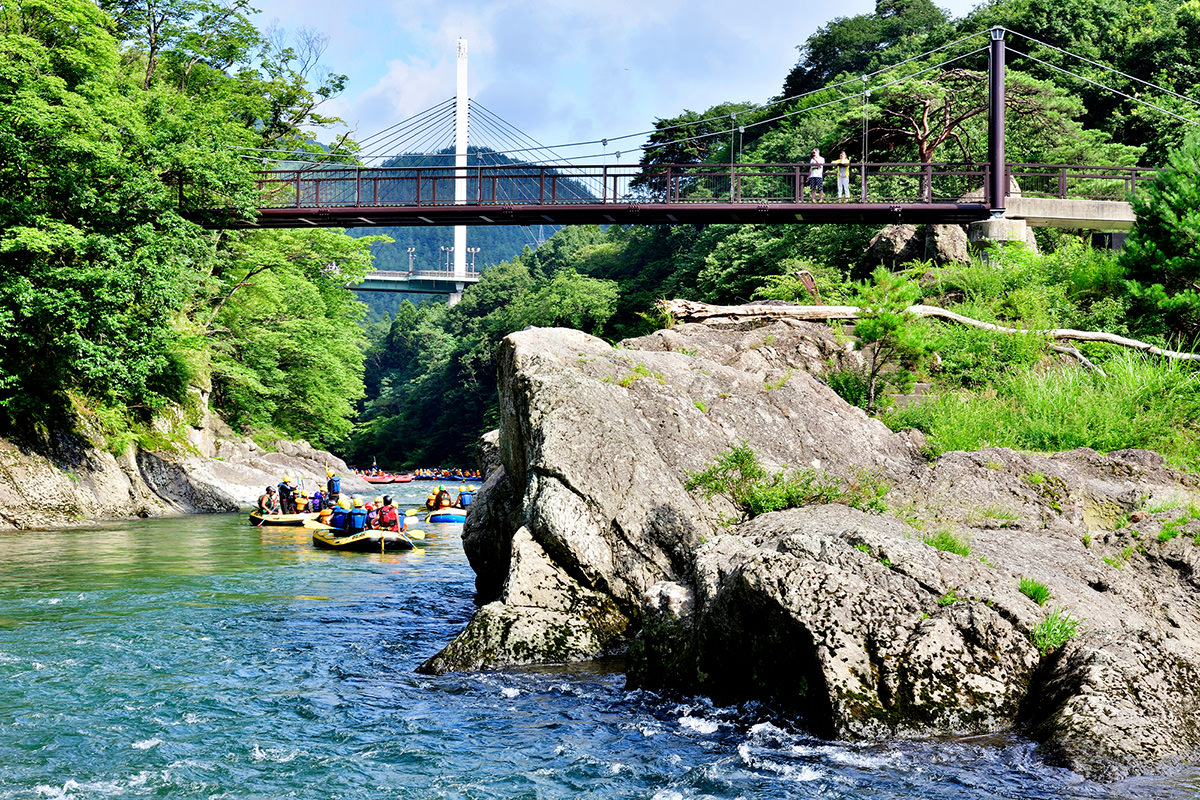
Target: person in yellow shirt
[{"x": 842, "y": 162}]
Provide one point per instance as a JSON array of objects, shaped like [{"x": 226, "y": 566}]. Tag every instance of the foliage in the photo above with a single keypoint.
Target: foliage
[
  {"x": 1162, "y": 253},
  {"x": 1142, "y": 402},
  {"x": 886, "y": 331},
  {"x": 1056, "y": 629},
  {"x": 1037, "y": 592},
  {"x": 946, "y": 541},
  {"x": 737, "y": 475},
  {"x": 431, "y": 380},
  {"x": 106, "y": 291}
]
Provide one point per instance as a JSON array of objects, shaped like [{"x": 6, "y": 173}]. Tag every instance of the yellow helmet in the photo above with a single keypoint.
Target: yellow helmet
[
  {"x": 287, "y": 478},
  {"x": 328, "y": 473},
  {"x": 344, "y": 503},
  {"x": 378, "y": 501},
  {"x": 357, "y": 501}
]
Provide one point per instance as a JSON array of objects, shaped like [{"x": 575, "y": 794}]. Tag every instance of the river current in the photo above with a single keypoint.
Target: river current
[{"x": 201, "y": 657}]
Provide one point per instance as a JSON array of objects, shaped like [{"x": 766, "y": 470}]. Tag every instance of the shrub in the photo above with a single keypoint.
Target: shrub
[
  {"x": 737, "y": 475},
  {"x": 1055, "y": 630},
  {"x": 1037, "y": 592}
]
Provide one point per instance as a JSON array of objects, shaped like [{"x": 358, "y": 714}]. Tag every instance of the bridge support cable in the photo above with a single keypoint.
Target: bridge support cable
[{"x": 1107, "y": 67}]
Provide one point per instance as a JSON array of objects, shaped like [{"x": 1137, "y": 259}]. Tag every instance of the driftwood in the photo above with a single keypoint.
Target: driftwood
[{"x": 692, "y": 311}]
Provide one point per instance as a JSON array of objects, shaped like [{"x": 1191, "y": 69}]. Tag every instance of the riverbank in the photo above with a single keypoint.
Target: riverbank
[
  {"x": 68, "y": 477},
  {"x": 917, "y": 612}
]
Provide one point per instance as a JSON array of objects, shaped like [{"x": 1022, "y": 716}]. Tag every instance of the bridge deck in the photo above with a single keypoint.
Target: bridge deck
[{"x": 619, "y": 214}]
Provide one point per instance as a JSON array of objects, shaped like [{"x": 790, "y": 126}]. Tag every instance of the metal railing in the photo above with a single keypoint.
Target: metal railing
[
  {"x": 759, "y": 184},
  {"x": 882, "y": 182}
]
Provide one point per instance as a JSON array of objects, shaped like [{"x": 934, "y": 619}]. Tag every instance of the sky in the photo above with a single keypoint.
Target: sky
[{"x": 561, "y": 71}]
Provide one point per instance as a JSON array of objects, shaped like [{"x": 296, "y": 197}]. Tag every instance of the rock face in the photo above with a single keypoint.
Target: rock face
[
  {"x": 941, "y": 244},
  {"x": 65, "y": 479},
  {"x": 586, "y": 544}
]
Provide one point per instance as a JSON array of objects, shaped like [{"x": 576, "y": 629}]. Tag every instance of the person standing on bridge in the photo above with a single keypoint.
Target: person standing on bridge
[
  {"x": 843, "y": 174},
  {"x": 816, "y": 177}
]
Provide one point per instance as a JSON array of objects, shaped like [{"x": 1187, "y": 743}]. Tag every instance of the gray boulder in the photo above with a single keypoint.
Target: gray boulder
[{"x": 586, "y": 544}]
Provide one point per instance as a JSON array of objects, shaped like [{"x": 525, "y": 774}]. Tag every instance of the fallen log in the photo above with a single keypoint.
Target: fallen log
[{"x": 692, "y": 311}]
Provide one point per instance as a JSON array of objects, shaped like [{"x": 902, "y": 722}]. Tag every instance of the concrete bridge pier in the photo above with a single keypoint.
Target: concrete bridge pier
[{"x": 1004, "y": 230}]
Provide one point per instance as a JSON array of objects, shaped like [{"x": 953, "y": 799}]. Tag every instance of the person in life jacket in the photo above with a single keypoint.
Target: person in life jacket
[
  {"x": 333, "y": 487},
  {"x": 267, "y": 503},
  {"x": 356, "y": 519},
  {"x": 443, "y": 499},
  {"x": 372, "y": 515},
  {"x": 338, "y": 518},
  {"x": 317, "y": 501},
  {"x": 287, "y": 496},
  {"x": 389, "y": 518}
]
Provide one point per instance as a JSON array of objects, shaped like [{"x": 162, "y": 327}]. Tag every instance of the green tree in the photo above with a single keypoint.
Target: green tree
[{"x": 1162, "y": 253}]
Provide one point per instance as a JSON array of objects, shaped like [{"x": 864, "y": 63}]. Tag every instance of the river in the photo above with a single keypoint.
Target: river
[{"x": 201, "y": 657}]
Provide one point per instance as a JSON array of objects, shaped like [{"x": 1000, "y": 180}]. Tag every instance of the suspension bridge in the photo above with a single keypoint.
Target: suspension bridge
[{"x": 522, "y": 182}]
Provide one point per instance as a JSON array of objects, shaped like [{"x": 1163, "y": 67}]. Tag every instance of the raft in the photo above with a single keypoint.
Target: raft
[
  {"x": 326, "y": 538},
  {"x": 258, "y": 518},
  {"x": 451, "y": 515}
]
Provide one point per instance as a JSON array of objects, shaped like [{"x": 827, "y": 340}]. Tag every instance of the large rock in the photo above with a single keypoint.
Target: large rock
[
  {"x": 67, "y": 477},
  {"x": 585, "y": 543}
]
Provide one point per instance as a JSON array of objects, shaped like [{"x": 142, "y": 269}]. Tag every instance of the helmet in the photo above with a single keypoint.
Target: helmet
[
  {"x": 328, "y": 473},
  {"x": 378, "y": 501},
  {"x": 369, "y": 507},
  {"x": 344, "y": 503},
  {"x": 387, "y": 499},
  {"x": 270, "y": 490},
  {"x": 358, "y": 502},
  {"x": 287, "y": 478}
]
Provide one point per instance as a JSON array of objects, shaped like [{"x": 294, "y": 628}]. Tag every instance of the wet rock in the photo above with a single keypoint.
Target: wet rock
[{"x": 585, "y": 542}]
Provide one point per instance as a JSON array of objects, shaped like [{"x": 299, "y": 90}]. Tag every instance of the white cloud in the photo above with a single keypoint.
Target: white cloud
[{"x": 563, "y": 71}]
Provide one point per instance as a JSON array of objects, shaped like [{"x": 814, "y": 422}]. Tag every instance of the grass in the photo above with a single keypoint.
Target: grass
[
  {"x": 946, "y": 541},
  {"x": 1173, "y": 528},
  {"x": 948, "y": 599},
  {"x": 700, "y": 405},
  {"x": 995, "y": 512},
  {"x": 772, "y": 386},
  {"x": 1141, "y": 403},
  {"x": 738, "y": 475},
  {"x": 1037, "y": 592},
  {"x": 1056, "y": 629}
]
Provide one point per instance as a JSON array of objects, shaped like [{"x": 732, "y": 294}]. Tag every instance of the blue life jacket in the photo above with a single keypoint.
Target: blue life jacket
[
  {"x": 465, "y": 498},
  {"x": 334, "y": 485},
  {"x": 356, "y": 521},
  {"x": 338, "y": 518}
]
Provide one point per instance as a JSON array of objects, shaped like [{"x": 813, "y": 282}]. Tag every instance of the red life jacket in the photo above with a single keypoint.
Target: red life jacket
[{"x": 388, "y": 518}]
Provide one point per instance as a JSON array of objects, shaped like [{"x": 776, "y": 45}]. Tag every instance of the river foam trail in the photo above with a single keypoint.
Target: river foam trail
[{"x": 204, "y": 658}]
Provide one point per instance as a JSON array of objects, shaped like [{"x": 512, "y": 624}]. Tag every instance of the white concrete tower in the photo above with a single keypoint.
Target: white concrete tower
[{"x": 460, "y": 162}]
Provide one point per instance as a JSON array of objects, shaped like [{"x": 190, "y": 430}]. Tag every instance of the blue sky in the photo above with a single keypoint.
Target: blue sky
[{"x": 561, "y": 71}]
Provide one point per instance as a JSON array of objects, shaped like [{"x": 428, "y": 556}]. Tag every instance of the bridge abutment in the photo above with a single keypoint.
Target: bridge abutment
[{"x": 1003, "y": 230}]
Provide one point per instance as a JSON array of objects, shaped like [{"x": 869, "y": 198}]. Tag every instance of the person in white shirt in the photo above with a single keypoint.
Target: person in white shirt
[{"x": 816, "y": 177}]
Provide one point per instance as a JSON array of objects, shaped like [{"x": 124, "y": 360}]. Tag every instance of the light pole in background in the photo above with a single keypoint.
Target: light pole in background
[
  {"x": 472, "y": 251},
  {"x": 448, "y": 251},
  {"x": 411, "y": 250}
]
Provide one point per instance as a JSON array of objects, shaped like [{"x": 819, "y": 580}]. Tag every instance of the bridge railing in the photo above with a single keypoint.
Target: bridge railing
[
  {"x": 420, "y": 274},
  {"x": 1081, "y": 182},
  {"x": 512, "y": 185}
]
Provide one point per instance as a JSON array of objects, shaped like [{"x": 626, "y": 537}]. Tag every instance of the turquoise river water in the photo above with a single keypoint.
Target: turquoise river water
[{"x": 201, "y": 657}]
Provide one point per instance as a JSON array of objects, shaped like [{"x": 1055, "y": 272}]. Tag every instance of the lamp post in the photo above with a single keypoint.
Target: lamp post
[
  {"x": 411, "y": 251},
  {"x": 472, "y": 251},
  {"x": 448, "y": 251}
]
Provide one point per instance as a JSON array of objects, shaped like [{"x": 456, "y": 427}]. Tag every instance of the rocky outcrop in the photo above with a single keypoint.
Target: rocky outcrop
[
  {"x": 585, "y": 543},
  {"x": 940, "y": 244},
  {"x": 67, "y": 478}
]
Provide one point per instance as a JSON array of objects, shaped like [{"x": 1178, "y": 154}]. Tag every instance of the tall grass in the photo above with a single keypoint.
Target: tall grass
[{"x": 1143, "y": 402}]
